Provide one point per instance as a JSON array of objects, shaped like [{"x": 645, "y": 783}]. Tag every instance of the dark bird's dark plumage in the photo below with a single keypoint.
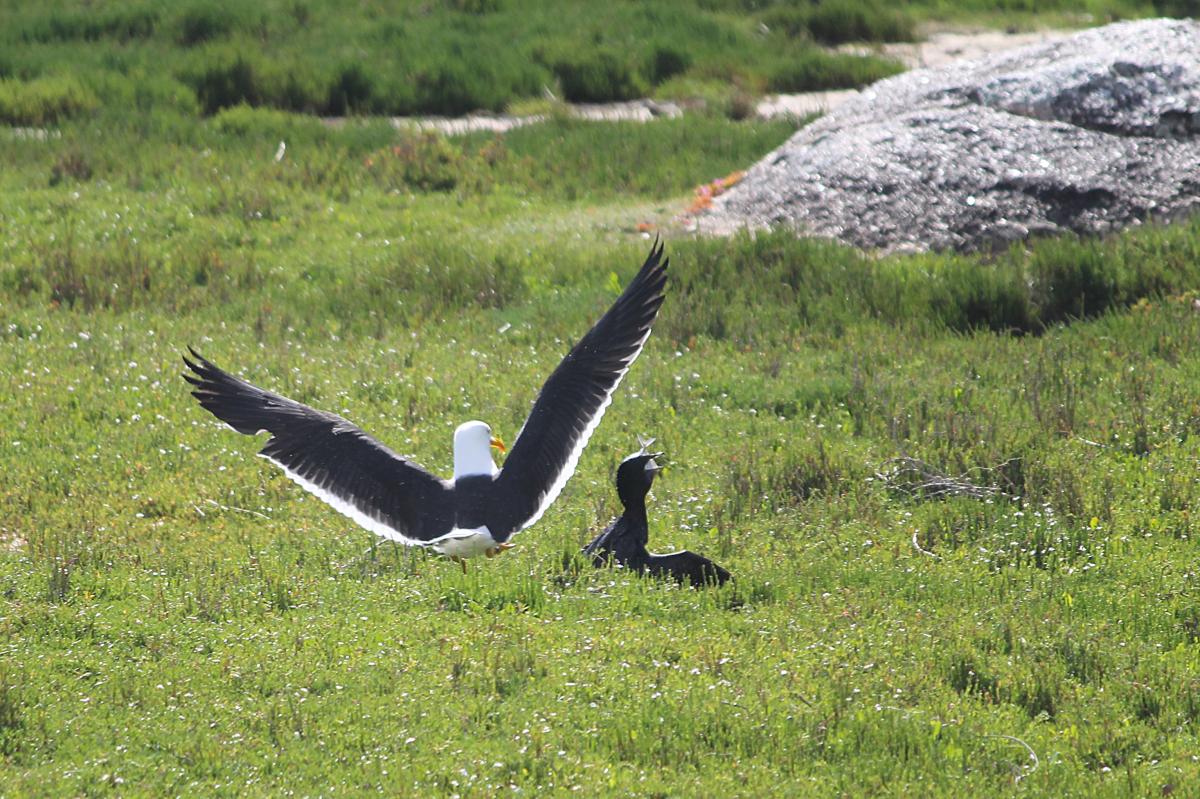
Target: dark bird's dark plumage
[
  {"x": 482, "y": 507},
  {"x": 625, "y": 540}
]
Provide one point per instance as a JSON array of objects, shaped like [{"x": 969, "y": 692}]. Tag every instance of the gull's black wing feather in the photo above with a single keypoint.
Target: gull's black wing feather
[
  {"x": 331, "y": 458},
  {"x": 573, "y": 400}
]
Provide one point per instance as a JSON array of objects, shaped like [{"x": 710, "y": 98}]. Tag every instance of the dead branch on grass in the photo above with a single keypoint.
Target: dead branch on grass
[{"x": 918, "y": 479}]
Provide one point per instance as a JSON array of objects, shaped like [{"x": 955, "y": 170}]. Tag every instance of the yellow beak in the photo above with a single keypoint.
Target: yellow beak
[{"x": 498, "y": 444}]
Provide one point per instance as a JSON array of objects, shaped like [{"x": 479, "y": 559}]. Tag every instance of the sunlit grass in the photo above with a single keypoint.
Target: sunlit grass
[
  {"x": 323, "y": 57},
  {"x": 67, "y": 59},
  {"x": 179, "y": 619}
]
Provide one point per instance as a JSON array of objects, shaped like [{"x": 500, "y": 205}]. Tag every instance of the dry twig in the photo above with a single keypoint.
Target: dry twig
[{"x": 918, "y": 479}]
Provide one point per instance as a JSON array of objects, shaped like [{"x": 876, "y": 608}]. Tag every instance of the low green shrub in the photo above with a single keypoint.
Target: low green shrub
[
  {"x": 596, "y": 76},
  {"x": 838, "y": 21},
  {"x": 350, "y": 91},
  {"x": 44, "y": 101},
  {"x": 474, "y": 6},
  {"x": 459, "y": 87},
  {"x": 199, "y": 23},
  {"x": 666, "y": 61},
  {"x": 817, "y": 70},
  {"x": 119, "y": 93},
  {"x": 264, "y": 124},
  {"x": 226, "y": 79},
  {"x": 1178, "y": 8},
  {"x": 122, "y": 23},
  {"x": 420, "y": 162}
]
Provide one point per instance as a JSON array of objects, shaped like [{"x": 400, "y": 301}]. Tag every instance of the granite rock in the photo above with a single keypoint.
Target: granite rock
[{"x": 1090, "y": 133}]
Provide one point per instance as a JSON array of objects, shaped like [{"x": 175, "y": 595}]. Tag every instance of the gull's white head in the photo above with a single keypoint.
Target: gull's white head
[{"x": 473, "y": 443}]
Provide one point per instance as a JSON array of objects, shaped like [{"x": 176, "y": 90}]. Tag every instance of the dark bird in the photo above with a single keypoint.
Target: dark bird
[
  {"x": 478, "y": 510},
  {"x": 624, "y": 541}
]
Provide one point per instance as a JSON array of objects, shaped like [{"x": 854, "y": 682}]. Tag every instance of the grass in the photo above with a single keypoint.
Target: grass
[
  {"x": 197, "y": 625},
  {"x": 66, "y": 59},
  {"x": 316, "y": 56},
  {"x": 179, "y": 619}
]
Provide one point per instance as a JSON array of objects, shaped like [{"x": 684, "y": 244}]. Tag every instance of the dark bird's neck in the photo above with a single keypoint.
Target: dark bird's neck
[{"x": 635, "y": 509}]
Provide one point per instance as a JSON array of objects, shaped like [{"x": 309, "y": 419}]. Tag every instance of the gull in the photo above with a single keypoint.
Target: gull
[{"x": 481, "y": 507}]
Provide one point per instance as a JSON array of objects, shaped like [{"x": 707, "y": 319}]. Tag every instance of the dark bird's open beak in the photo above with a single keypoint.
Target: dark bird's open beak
[{"x": 652, "y": 465}]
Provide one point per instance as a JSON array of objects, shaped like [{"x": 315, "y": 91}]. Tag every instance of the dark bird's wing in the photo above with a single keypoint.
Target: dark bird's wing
[
  {"x": 620, "y": 542},
  {"x": 331, "y": 458},
  {"x": 573, "y": 400},
  {"x": 687, "y": 567}
]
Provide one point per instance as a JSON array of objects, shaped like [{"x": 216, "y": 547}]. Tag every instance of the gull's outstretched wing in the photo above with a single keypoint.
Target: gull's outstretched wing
[
  {"x": 331, "y": 458},
  {"x": 573, "y": 400}
]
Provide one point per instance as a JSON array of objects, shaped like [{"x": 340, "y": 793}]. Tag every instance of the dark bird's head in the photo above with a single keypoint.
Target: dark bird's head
[{"x": 635, "y": 475}]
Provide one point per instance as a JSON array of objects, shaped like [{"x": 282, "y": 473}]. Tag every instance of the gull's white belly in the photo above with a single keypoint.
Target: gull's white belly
[{"x": 465, "y": 543}]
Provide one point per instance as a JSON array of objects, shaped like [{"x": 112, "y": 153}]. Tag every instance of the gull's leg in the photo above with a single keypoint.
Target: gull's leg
[{"x": 460, "y": 561}]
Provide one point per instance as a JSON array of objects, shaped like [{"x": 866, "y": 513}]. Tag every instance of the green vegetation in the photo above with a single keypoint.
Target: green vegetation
[
  {"x": 450, "y": 56},
  {"x": 179, "y": 619},
  {"x": 43, "y": 101},
  {"x": 318, "y": 56},
  {"x": 64, "y": 58},
  {"x": 1086, "y": 12}
]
